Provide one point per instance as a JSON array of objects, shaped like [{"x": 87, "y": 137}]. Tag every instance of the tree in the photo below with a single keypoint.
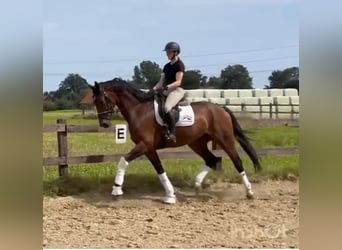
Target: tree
[
  {"x": 292, "y": 83},
  {"x": 73, "y": 83},
  {"x": 215, "y": 82},
  {"x": 49, "y": 105},
  {"x": 65, "y": 103},
  {"x": 147, "y": 74},
  {"x": 236, "y": 77},
  {"x": 204, "y": 82},
  {"x": 276, "y": 79},
  {"x": 70, "y": 92},
  {"x": 284, "y": 78},
  {"x": 192, "y": 79},
  {"x": 137, "y": 77},
  {"x": 293, "y": 80}
]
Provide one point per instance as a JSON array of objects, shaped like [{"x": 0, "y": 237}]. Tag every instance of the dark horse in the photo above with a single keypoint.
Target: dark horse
[{"x": 212, "y": 123}]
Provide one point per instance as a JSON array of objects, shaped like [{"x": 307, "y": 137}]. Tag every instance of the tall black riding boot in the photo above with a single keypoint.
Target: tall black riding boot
[{"x": 170, "y": 120}]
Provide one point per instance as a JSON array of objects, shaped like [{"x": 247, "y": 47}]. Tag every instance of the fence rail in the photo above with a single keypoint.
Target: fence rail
[
  {"x": 77, "y": 128},
  {"x": 63, "y": 159}
]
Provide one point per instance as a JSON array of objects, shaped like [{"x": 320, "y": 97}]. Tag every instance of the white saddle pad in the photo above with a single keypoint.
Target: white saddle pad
[{"x": 186, "y": 116}]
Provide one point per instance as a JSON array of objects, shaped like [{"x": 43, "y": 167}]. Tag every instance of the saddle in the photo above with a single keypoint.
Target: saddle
[
  {"x": 160, "y": 99},
  {"x": 182, "y": 112}
]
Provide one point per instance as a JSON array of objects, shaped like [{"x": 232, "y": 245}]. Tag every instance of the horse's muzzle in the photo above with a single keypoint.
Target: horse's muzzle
[{"x": 105, "y": 123}]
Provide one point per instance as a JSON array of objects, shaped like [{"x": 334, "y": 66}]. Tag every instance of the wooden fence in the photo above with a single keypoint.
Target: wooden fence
[{"x": 63, "y": 159}]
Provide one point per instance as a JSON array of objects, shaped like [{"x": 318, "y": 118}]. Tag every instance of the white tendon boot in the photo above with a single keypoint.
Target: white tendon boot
[
  {"x": 248, "y": 186},
  {"x": 200, "y": 176},
  {"x": 170, "y": 197},
  {"x": 119, "y": 178}
]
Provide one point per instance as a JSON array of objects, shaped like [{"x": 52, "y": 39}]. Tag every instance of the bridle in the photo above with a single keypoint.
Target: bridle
[{"x": 108, "y": 103}]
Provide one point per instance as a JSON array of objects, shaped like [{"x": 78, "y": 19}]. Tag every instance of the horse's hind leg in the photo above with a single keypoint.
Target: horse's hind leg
[
  {"x": 227, "y": 143},
  {"x": 201, "y": 148}
]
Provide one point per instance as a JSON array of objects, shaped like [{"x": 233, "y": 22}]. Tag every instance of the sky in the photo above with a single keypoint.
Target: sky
[{"x": 103, "y": 39}]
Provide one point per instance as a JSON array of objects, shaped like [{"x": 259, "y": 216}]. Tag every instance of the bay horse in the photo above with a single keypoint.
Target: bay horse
[{"x": 212, "y": 123}]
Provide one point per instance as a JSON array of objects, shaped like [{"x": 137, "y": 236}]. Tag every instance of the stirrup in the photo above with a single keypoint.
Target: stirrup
[{"x": 171, "y": 137}]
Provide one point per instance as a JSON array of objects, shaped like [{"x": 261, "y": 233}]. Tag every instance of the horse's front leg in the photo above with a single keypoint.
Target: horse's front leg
[
  {"x": 170, "y": 197},
  {"x": 137, "y": 151}
]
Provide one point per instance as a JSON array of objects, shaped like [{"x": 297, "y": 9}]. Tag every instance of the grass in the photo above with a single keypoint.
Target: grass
[
  {"x": 140, "y": 175},
  {"x": 279, "y": 136},
  {"x": 73, "y": 116},
  {"x": 50, "y": 117}
]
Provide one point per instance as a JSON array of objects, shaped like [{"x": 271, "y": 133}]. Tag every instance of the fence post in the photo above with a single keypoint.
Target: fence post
[
  {"x": 271, "y": 111},
  {"x": 243, "y": 107},
  {"x": 62, "y": 147}
]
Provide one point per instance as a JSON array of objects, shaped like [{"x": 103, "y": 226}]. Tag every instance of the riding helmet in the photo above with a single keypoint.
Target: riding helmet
[{"x": 172, "y": 46}]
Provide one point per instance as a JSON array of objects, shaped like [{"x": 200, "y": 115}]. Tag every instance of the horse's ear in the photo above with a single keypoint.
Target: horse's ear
[{"x": 97, "y": 86}]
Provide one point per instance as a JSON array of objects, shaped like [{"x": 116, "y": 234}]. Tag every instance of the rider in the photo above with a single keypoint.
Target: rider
[{"x": 170, "y": 80}]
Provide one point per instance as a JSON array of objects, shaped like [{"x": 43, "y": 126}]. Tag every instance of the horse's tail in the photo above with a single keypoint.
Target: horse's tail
[{"x": 244, "y": 141}]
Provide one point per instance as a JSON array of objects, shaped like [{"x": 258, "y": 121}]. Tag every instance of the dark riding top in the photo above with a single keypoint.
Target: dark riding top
[{"x": 170, "y": 70}]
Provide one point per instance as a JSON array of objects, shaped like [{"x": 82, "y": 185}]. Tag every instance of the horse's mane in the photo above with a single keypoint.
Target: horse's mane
[{"x": 140, "y": 95}]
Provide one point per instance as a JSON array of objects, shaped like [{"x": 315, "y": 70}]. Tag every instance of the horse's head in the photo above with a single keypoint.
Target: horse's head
[{"x": 104, "y": 105}]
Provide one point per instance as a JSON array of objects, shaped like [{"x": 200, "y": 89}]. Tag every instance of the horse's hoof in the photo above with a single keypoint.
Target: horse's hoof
[
  {"x": 117, "y": 191},
  {"x": 169, "y": 199},
  {"x": 250, "y": 194},
  {"x": 198, "y": 188}
]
